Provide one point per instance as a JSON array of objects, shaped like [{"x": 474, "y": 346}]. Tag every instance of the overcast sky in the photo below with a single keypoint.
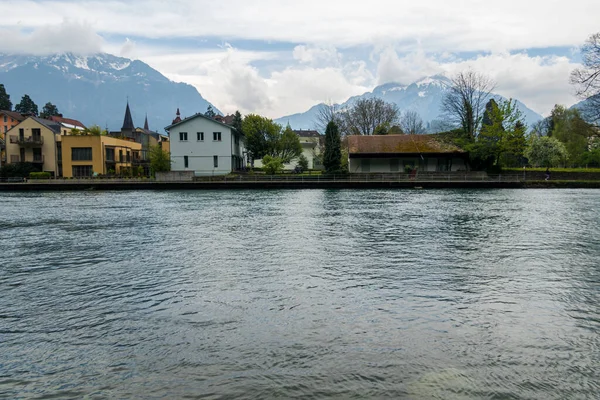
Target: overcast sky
[{"x": 278, "y": 57}]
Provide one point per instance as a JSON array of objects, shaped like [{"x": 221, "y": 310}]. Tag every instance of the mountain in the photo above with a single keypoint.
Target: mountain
[
  {"x": 423, "y": 96},
  {"x": 95, "y": 89}
]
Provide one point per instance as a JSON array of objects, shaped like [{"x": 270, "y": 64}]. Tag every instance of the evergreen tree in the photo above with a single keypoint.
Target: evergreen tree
[
  {"x": 5, "y": 103},
  {"x": 210, "y": 113},
  {"x": 332, "y": 158},
  {"x": 27, "y": 106},
  {"x": 237, "y": 122},
  {"x": 49, "y": 110}
]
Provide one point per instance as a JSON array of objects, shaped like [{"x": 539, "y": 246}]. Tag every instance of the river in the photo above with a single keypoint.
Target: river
[{"x": 416, "y": 294}]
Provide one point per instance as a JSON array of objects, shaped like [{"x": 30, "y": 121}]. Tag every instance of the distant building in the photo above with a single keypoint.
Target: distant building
[
  {"x": 392, "y": 153},
  {"x": 312, "y": 143},
  {"x": 67, "y": 125},
  {"x": 205, "y": 146},
  {"x": 8, "y": 120}
]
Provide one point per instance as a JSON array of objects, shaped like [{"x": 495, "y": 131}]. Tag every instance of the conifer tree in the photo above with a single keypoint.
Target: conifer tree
[
  {"x": 49, "y": 110},
  {"x": 27, "y": 106},
  {"x": 332, "y": 158},
  {"x": 5, "y": 103}
]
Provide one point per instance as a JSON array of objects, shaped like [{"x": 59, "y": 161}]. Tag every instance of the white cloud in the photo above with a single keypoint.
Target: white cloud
[{"x": 67, "y": 36}]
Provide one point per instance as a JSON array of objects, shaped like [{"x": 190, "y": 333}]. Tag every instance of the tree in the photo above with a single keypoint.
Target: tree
[
  {"x": 411, "y": 123},
  {"x": 5, "y": 103},
  {"x": 260, "y": 133},
  {"x": 49, "y": 110},
  {"x": 366, "y": 115},
  {"x": 328, "y": 113},
  {"x": 93, "y": 130},
  {"x": 570, "y": 129},
  {"x": 546, "y": 152},
  {"x": 237, "y": 122},
  {"x": 27, "y": 106},
  {"x": 272, "y": 165},
  {"x": 210, "y": 113},
  {"x": 303, "y": 162},
  {"x": 160, "y": 160},
  {"x": 287, "y": 146},
  {"x": 332, "y": 158},
  {"x": 587, "y": 78},
  {"x": 465, "y": 101}
]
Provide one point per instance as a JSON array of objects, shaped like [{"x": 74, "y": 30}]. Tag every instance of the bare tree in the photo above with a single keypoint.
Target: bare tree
[
  {"x": 366, "y": 115},
  {"x": 328, "y": 113},
  {"x": 587, "y": 78},
  {"x": 464, "y": 103},
  {"x": 411, "y": 123}
]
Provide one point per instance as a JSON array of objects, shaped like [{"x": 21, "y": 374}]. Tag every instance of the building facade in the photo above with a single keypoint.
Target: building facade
[
  {"x": 205, "y": 146},
  {"x": 394, "y": 153}
]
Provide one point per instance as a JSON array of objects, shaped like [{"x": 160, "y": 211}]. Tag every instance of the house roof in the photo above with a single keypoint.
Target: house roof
[
  {"x": 127, "y": 121},
  {"x": 227, "y": 120},
  {"x": 14, "y": 115},
  {"x": 400, "y": 144},
  {"x": 303, "y": 133},
  {"x": 53, "y": 126},
  {"x": 198, "y": 115},
  {"x": 67, "y": 122}
]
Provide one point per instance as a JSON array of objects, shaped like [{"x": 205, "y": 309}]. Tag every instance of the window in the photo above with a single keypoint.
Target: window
[
  {"x": 200, "y": 136},
  {"x": 121, "y": 156},
  {"x": 81, "y": 154},
  {"x": 5, "y": 119},
  {"x": 82, "y": 170},
  {"x": 36, "y": 132},
  {"x": 128, "y": 156},
  {"x": 217, "y": 136},
  {"x": 110, "y": 154},
  {"x": 185, "y": 162},
  {"x": 216, "y": 161},
  {"x": 183, "y": 136}
]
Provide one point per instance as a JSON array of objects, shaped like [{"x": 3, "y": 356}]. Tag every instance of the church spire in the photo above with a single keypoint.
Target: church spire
[
  {"x": 178, "y": 117},
  {"x": 146, "y": 123},
  {"x": 128, "y": 121}
]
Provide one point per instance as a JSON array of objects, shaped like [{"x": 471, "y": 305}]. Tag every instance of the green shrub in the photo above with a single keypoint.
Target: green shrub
[
  {"x": 39, "y": 175},
  {"x": 272, "y": 165}
]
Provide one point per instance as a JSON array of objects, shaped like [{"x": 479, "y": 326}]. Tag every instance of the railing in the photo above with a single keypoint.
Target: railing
[{"x": 27, "y": 140}]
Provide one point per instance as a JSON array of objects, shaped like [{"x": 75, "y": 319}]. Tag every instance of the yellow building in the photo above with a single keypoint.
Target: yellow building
[
  {"x": 37, "y": 141},
  {"x": 89, "y": 155}
]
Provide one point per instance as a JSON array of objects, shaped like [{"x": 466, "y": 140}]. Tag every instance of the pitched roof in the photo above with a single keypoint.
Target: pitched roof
[
  {"x": 198, "y": 115},
  {"x": 127, "y": 121},
  {"x": 53, "y": 126},
  {"x": 400, "y": 144},
  {"x": 227, "y": 119},
  {"x": 67, "y": 122},
  {"x": 303, "y": 133},
  {"x": 14, "y": 115}
]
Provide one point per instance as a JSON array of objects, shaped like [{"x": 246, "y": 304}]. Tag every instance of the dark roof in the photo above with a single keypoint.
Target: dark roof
[
  {"x": 227, "y": 120},
  {"x": 14, "y": 115},
  {"x": 146, "y": 127},
  {"x": 198, "y": 115},
  {"x": 67, "y": 121},
  {"x": 400, "y": 144},
  {"x": 53, "y": 126},
  {"x": 303, "y": 133},
  {"x": 127, "y": 121}
]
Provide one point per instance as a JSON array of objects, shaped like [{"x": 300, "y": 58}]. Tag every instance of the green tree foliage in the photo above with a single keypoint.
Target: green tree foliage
[
  {"x": 210, "y": 113},
  {"x": 27, "y": 106},
  {"x": 332, "y": 158},
  {"x": 395, "y": 130},
  {"x": 569, "y": 127},
  {"x": 303, "y": 162},
  {"x": 93, "y": 130},
  {"x": 287, "y": 147},
  {"x": 5, "y": 103},
  {"x": 237, "y": 122},
  {"x": 546, "y": 151},
  {"x": 272, "y": 165},
  {"x": 381, "y": 129},
  {"x": 18, "y": 170},
  {"x": 160, "y": 160},
  {"x": 49, "y": 110},
  {"x": 260, "y": 133}
]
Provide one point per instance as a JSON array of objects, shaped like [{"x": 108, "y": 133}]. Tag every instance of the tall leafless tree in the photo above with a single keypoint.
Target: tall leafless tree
[
  {"x": 587, "y": 78},
  {"x": 464, "y": 103},
  {"x": 411, "y": 123},
  {"x": 367, "y": 114},
  {"x": 328, "y": 113}
]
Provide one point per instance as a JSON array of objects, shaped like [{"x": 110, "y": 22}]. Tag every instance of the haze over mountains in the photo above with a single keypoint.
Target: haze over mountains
[
  {"x": 423, "y": 96},
  {"x": 95, "y": 89}
]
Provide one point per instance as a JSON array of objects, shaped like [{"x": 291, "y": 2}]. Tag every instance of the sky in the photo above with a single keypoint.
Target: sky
[{"x": 280, "y": 57}]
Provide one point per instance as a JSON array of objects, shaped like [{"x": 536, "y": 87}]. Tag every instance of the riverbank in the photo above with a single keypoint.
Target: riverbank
[{"x": 78, "y": 185}]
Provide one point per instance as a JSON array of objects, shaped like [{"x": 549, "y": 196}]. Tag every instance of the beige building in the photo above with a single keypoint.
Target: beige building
[
  {"x": 37, "y": 141},
  {"x": 89, "y": 155}
]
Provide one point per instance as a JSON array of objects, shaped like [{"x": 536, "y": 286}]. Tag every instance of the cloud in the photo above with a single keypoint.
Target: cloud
[
  {"x": 128, "y": 49},
  {"x": 67, "y": 36}
]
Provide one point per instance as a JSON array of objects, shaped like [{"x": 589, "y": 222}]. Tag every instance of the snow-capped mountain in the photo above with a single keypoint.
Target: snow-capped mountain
[
  {"x": 94, "y": 89},
  {"x": 423, "y": 96}
]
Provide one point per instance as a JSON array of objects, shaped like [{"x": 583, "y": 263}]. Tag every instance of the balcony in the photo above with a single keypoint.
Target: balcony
[
  {"x": 27, "y": 141},
  {"x": 37, "y": 159}
]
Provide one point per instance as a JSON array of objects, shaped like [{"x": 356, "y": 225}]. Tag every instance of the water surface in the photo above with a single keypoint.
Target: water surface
[{"x": 301, "y": 294}]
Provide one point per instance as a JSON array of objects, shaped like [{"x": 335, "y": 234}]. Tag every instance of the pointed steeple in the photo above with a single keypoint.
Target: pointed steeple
[
  {"x": 128, "y": 121},
  {"x": 146, "y": 123},
  {"x": 178, "y": 117}
]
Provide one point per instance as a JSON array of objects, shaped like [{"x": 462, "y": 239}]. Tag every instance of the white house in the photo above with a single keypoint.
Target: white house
[
  {"x": 205, "y": 146},
  {"x": 312, "y": 145}
]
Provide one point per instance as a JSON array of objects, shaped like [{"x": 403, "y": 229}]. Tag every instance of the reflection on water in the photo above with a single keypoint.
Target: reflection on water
[{"x": 406, "y": 294}]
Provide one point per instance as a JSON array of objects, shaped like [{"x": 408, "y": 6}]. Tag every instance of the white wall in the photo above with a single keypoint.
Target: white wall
[
  {"x": 383, "y": 165},
  {"x": 201, "y": 153}
]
